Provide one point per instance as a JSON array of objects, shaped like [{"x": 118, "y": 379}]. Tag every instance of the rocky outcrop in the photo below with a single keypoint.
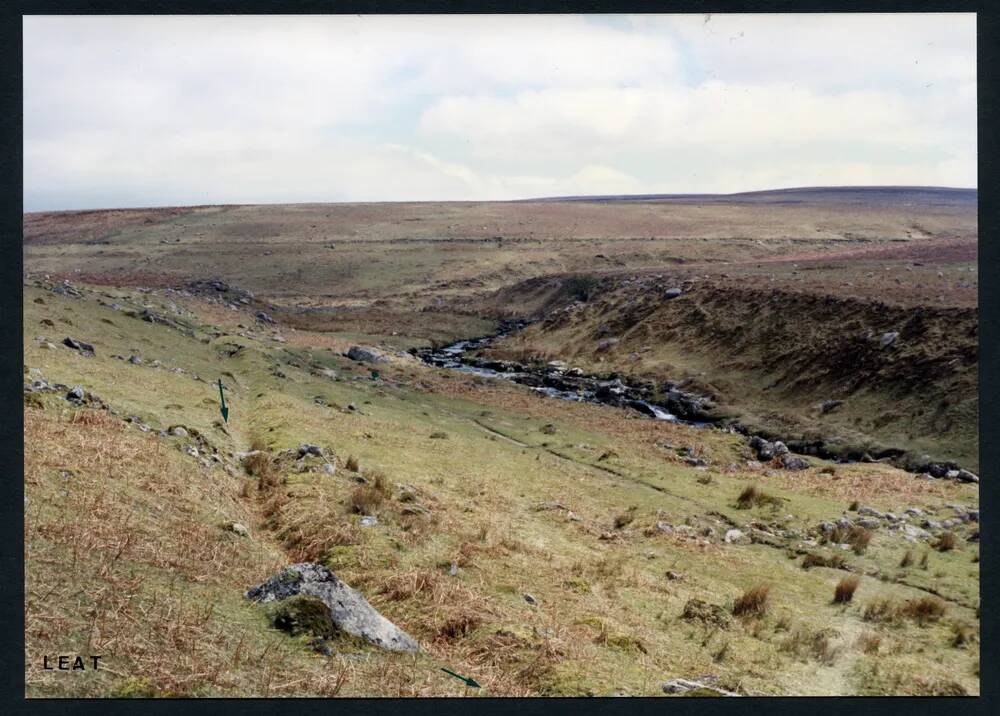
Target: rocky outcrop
[
  {"x": 349, "y": 611},
  {"x": 366, "y": 354}
]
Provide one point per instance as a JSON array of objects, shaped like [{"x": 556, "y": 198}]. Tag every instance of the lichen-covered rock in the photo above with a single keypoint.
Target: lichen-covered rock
[
  {"x": 365, "y": 354},
  {"x": 349, "y": 611}
]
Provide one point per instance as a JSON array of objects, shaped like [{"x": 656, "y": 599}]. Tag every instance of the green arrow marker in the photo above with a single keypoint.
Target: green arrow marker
[
  {"x": 468, "y": 682},
  {"x": 222, "y": 397}
]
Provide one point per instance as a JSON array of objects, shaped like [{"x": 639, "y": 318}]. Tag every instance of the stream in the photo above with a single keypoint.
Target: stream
[{"x": 558, "y": 380}]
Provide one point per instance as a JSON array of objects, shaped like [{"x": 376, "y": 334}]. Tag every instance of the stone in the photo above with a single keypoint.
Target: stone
[
  {"x": 844, "y": 522},
  {"x": 733, "y": 535},
  {"x": 349, "y": 610},
  {"x": 84, "y": 348},
  {"x": 827, "y": 405},
  {"x": 888, "y": 339},
  {"x": 191, "y": 450},
  {"x": 685, "y": 686},
  {"x": 792, "y": 462},
  {"x": 369, "y": 521},
  {"x": 607, "y": 344},
  {"x": 869, "y": 523},
  {"x": 913, "y": 512},
  {"x": 76, "y": 395},
  {"x": 780, "y": 448},
  {"x": 135, "y": 360},
  {"x": 307, "y": 449},
  {"x": 664, "y": 527},
  {"x": 967, "y": 476},
  {"x": 366, "y": 354},
  {"x": 672, "y": 293},
  {"x": 329, "y": 468},
  {"x": 674, "y": 576},
  {"x": 178, "y": 431},
  {"x": 263, "y": 317},
  {"x": 870, "y": 511},
  {"x": 240, "y": 529},
  {"x": 530, "y": 599}
]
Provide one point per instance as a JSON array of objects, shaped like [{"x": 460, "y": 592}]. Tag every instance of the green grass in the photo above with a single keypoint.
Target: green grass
[{"x": 598, "y": 600}]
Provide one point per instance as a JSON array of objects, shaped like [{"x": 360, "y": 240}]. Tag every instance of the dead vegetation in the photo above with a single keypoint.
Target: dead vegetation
[
  {"x": 752, "y": 496},
  {"x": 844, "y": 591},
  {"x": 753, "y": 602}
]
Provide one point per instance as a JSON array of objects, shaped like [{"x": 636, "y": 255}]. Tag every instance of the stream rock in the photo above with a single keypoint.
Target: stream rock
[{"x": 349, "y": 611}]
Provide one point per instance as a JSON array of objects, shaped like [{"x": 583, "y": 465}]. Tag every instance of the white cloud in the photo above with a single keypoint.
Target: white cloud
[{"x": 167, "y": 110}]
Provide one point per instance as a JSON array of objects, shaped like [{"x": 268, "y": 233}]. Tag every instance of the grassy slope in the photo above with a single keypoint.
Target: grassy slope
[{"x": 155, "y": 583}]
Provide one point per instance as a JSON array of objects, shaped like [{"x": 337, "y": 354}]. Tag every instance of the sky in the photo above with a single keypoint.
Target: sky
[{"x": 173, "y": 110}]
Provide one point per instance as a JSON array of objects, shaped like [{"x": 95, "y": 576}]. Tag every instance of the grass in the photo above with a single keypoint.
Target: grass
[
  {"x": 844, "y": 591},
  {"x": 753, "y": 602},
  {"x": 752, "y": 496},
  {"x": 186, "y": 629}
]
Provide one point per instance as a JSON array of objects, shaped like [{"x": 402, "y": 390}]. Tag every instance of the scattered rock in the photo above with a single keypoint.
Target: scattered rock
[
  {"x": 674, "y": 576},
  {"x": 530, "y": 599},
  {"x": 84, "y": 348},
  {"x": 672, "y": 293},
  {"x": 307, "y": 449},
  {"x": 607, "y": 344},
  {"x": 827, "y": 405},
  {"x": 178, "y": 431},
  {"x": 692, "y": 688},
  {"x": 76, "y": 395},
  {"x": 966, "y": 476},
  {"x": 349, "y": 610},
  {"x": 888, "y": 339},
  {"x": 135, "y": 360},
  {"x": 369, "y": 521},
  {"x": 240, "y": 529},
  {"x": 870, "y": 511},
  {"x": 366, "y": 354},
  {"x": 263, "y": 317},
  {"x": 734, "y": 535},
  {"x": 792, "y": 462}
]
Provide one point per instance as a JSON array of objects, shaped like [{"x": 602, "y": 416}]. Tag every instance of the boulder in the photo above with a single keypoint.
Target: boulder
[
  {"x": 870, "y": 511},
  {"x": 84, "y": 348},
  {"x": 349, "y": 611},
  {"x": 792, "y": 462},
  {"x": 307, "y": 449},
  {"x": 672, "y": 293},
  {"x": 76, "y": 395},
  {"x": 869, "y": 523},
  {"x": 734, "y": 535},
  {"x": 240, "y": 529},
  {"x": 366, "y": 354},
  {"x": 966, "y": 476},
  {"x": 607, "y": 344}
]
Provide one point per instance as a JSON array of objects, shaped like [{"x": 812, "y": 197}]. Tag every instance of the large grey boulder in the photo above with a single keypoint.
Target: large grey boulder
[
  {"x": 348, "y": 609},
  {"x": 366, "y": 354}
]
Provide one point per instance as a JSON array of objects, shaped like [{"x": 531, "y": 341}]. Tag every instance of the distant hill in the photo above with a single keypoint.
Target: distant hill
[{"x": 879, "y": 195}]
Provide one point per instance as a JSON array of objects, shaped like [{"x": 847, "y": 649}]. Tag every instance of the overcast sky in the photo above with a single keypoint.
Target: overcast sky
[{"x": 153, "y": 111}]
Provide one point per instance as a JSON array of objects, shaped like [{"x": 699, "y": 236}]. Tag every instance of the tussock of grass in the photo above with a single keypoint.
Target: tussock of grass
[
  {"x": 753, "y": 602},
  {"x": 922, "y": 610},
  {"x": 844, "y": 591},
  {"x": 834, "y": 561},
  {"x": 946, "y": 542},
  {"x": 752, "y": 496}
]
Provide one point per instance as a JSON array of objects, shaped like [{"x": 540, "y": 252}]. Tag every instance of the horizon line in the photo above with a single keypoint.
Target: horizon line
[{"x": 527, "y": 200}]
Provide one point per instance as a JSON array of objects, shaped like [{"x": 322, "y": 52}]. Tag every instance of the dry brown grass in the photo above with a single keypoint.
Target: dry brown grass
[
  {"x": 946, "y": 542},
  {"x": 869, "y": 643},
  {"x": 753, "y": 602},
  {"x": 835, "y": 561},
  {"x": 365, "y": 500},
  {"x": 922, "y": 610},
  {"x": 752, "y": 496},
  {"x": 351, "y": 465},
  {"x": 907, "y": 560},
  {"x": 844, "y": 591}
]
